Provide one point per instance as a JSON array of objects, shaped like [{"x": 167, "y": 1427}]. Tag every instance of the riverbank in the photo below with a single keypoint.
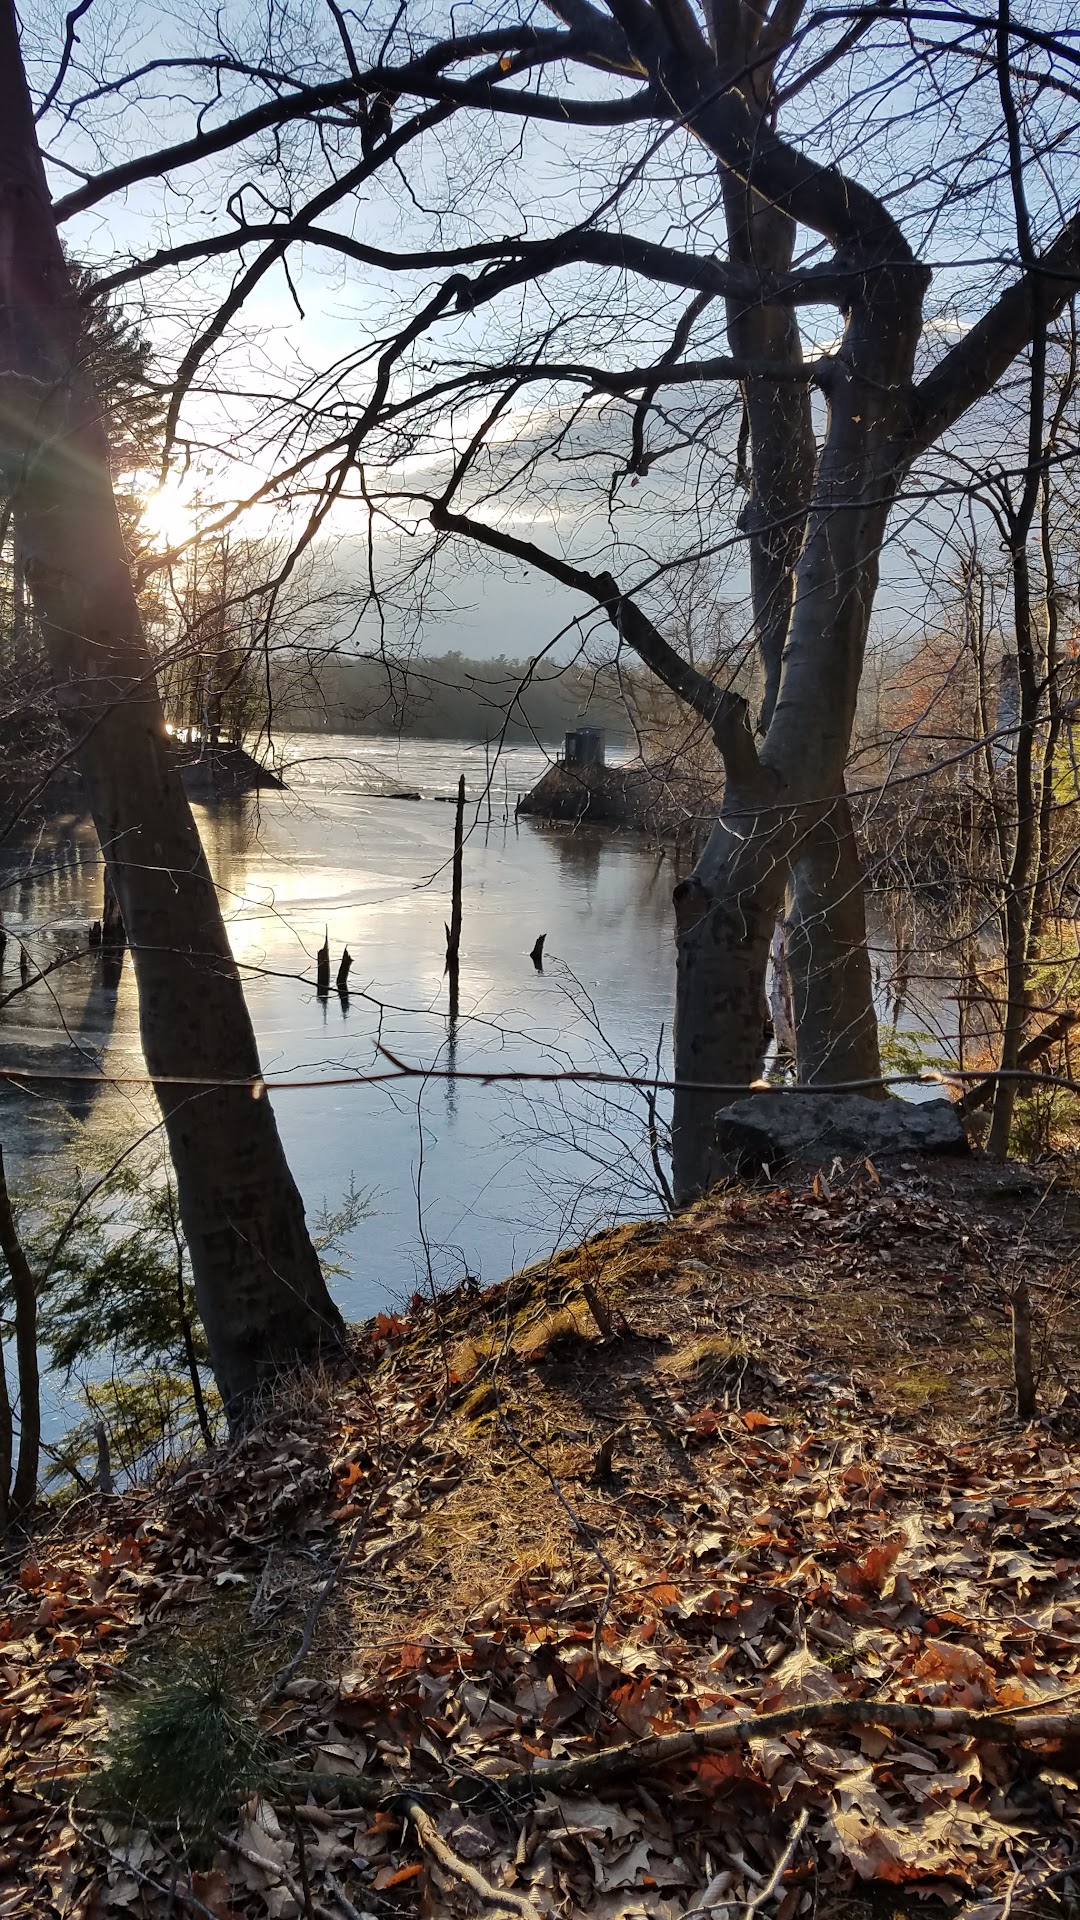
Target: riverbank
[
  {"x": 221, "y": 772},
  {"x": 756, "y": 1461}
]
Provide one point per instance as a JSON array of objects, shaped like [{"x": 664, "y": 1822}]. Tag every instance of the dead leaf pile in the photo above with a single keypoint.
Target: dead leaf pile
[{"x": 678, "y": 1509}]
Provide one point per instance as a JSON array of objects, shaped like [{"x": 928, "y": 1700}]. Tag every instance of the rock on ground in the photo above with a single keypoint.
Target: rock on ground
[{"x": 775, "y": 1128}]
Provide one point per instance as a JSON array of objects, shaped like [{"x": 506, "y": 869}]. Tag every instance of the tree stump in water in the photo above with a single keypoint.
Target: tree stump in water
[{"x": 322, "y": 966}]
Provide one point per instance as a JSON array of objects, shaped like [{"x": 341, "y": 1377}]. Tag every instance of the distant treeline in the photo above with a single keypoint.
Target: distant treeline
[{"x": 448, "y": 697}]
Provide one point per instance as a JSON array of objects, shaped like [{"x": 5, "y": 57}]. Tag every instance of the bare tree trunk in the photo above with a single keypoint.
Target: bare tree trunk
[
  {"x": 778, "y": 424},
  {"x": 829, "y": 970},
  {"x": 1051, "y": 666},
  {"x": 7, "y": 1445},
  {"x": 1023, "y": 867},
  {"x": 1022, "y": 876},
  {"x": 258, "y": 1283},
  {"x": 828, "y": 963},
  {"x": 24, "y": 1293},
  {"x": 725, "y": 912},
  {"x": 112, "y": 919},
  {"x": 1022, "y": 1362}
]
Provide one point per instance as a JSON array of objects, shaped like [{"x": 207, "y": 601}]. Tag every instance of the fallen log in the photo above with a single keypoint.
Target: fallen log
[{"x": 1004, "y": 1726}]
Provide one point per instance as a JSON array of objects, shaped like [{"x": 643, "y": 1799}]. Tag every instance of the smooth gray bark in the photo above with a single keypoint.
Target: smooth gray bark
[
  {"x": 724, "y": 915},
  {"x": 836, "y": 1032}
]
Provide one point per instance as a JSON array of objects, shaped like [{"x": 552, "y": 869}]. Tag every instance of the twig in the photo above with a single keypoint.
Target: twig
[
  {"x": 259, "y": 1085},
  {"x": 772, "y": 1884},
  {"x": 339, "y": 1894},
  {"x": 713, "y": 1898},
  {"x": 173, "y": 1893},
  {"x": 640, "y": 1756},
  {"x": 432, "y": 1842},
  {"x": 277, "y": 1872},
  {"x": 301, "y": 1861}
]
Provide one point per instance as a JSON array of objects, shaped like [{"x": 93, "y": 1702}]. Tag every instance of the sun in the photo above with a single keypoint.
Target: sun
[{"x": 169, "y": 518}]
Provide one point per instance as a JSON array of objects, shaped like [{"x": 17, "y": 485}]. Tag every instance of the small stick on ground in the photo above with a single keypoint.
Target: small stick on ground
[
  {"x": 772, "y": 1885},
  {"x": 277, "y": 1872},
  {"x": 1004, "y": 1726},
  {"x": 432, "y": 1842},
  {"x": 339, "y": 1894}
]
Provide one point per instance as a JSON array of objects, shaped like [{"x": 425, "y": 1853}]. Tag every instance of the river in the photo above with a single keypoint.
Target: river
[
  {"x": 461, "y": 1177},
  {"x": 458, "y": 1177}
]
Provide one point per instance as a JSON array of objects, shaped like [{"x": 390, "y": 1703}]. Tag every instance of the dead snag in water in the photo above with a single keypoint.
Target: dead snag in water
[{"x": 453, "y": 931}]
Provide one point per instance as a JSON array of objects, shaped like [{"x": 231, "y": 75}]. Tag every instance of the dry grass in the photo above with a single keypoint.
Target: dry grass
[{"x": 708, "y": 1362}]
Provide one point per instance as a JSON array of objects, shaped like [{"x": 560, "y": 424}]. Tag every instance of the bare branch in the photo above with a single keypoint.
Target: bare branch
[
  {"x": 725, "y": 712},
  {"x": 306, "y": 102},
  {"x": 969, "y": 370}
]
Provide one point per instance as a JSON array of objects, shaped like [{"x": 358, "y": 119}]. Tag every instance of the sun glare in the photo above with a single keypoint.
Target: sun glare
[{"x": 168, "y": 517}]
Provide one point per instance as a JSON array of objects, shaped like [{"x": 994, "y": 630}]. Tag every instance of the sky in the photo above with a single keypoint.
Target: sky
[{"x": 323, "y": 316}]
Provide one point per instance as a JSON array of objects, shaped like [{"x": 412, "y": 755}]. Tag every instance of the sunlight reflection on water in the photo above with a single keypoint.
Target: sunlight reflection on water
[{"x": 505, "y": 1175}]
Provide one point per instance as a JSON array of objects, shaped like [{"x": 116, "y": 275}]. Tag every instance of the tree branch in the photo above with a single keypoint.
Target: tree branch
[
  {"x": 631, "y": 253},
  {"x": 582, "y": 1772},
  {"x": 970, "y": 369},
  {"x": 708, "y": 98},
  {"x": 305, "y": 102},
  {"x": 295, "y": 229},
  {"x": 724, "y": 711}
]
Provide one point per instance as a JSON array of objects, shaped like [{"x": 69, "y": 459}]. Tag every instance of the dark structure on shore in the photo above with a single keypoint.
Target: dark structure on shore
[{"x": 584, "y": 747}]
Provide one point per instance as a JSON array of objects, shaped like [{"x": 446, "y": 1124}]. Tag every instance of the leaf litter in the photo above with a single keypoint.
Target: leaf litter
[{"x": 755, "y": 1464}]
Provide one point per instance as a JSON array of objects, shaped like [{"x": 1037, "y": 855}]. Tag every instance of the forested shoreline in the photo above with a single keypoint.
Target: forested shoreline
[{"x": 448, "y": 697}]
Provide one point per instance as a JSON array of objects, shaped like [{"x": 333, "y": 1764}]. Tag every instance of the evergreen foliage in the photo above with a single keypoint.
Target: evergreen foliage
[
  {"x": 185, "y": 1750},
  {"x": 122, "y": 1289}
]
